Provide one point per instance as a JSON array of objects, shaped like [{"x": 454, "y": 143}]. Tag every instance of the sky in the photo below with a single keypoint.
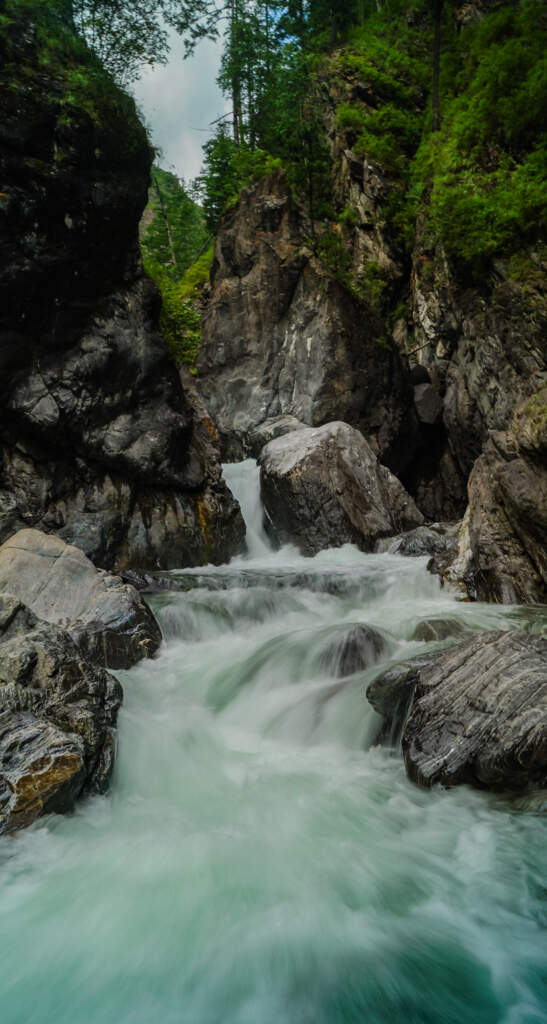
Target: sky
[{"x": 179, "y": 98}]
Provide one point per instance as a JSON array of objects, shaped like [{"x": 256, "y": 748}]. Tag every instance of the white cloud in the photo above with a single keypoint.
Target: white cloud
[{"x": 180, "y": 99}]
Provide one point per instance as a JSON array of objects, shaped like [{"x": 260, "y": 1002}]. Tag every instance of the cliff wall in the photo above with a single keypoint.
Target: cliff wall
[{"x": 98, "y": 440}]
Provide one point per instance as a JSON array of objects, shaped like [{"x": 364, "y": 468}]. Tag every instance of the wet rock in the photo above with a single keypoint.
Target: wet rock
[
  {"x": 356, "y": 650},
  {"x": 107, "y": 618},
  {"x": 391, "y": 694},
  {"x": 437, "y": 629},
  {"x": 324, "y": 487},
  {"x": 42, "y": 769},
  {"x": 480, "y": 715},
  {"x": 57, "y": 719},
  {"x": 437, "y": 539}
]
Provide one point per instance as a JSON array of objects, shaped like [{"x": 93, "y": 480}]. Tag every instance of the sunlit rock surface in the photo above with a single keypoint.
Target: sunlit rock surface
[{"x": 323, "y": 487}]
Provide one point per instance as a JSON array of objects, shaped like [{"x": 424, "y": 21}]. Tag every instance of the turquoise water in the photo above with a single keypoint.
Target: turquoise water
[{"x": 259, "y": 860}]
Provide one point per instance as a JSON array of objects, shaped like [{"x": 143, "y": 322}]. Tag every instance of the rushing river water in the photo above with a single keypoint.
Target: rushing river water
[{"x": 259, "y": 860}]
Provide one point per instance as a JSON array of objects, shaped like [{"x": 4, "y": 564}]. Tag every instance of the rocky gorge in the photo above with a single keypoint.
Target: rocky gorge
[
  {"x": 273, "y": 732},
  {"x": 367, "y": 424}
]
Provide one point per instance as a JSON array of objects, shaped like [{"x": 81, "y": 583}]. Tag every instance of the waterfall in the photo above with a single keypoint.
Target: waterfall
[{"x": 243, "y": 479}]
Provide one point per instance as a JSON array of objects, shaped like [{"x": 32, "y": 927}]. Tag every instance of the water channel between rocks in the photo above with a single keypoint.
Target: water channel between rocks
[{"x": 258, "y": 859}]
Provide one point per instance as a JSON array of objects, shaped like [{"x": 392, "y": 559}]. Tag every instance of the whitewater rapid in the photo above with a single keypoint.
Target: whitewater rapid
[{"x": 259, "y": 859}]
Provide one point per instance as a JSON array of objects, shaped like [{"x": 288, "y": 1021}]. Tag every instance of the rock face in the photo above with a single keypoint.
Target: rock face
[
  {"x": 503, "y": 550},
  {"x": 324, "y": 487},
  {"x": 57, "y": 719},
  {"x": 480, "y": 715},
  {"x": 97, "y": 439},
  {"x": 283, "y": 339},
  {"x": 105, "y": 617},
  {"x": 391, "y": 694}
]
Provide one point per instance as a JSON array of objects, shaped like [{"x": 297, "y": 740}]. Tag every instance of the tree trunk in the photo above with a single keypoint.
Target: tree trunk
[
  {"x": 163, "y": 209},
  {"x": 436, "y": 115}
]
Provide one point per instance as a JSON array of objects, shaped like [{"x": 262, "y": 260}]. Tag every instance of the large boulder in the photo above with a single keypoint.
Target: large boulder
[
  {"x": 98, "y": 441},
  {"x": 479, "y": 715},
  {"x": 107, "y": 618},
  {"x": 57, "y": 719},
  {"x": 324, "y": 487}
]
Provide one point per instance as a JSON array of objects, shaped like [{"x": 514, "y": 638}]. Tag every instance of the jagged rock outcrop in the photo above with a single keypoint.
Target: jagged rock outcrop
[
  {"x": 106, "y": 618},
  {"x": 502, "y": 544},
  {"x": 283, "y": 338},
  {"x": 475, "y": 714},
  {"x": 479, "y": 715},
  {"x": 323, "y": 487},
  {"x": 97, "y": 439},
  {"x": 56, "y": 721}
]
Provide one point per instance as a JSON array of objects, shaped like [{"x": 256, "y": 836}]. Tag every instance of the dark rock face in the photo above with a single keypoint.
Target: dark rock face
[
  {"x": 391, "y": 694},
  {"x": 480, "y": 715},
  {"x": 324, "y": 487},
  {"x": 485, "y": 352},
  {"x": 282, "y": 338},
  {"x": 56, "y": 722},
  {"x": 105, "y": 617},
  {"x": 97, "y": 439}
]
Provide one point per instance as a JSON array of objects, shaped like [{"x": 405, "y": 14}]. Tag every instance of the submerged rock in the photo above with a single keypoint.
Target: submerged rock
[
  {"x": 107, "y": 618},
  {"x": 57, "y": 719},
  {"x": 324, "y": 487},
  {"x": 437, "y": 629},
  {"x": 357, "y": 649},
  {"x": 480, "y": 715}
]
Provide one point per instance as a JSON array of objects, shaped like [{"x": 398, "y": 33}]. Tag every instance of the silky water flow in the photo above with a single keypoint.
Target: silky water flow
[{"x": 259, "y": 858}]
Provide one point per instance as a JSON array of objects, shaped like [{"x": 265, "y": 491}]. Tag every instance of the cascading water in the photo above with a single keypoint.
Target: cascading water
[{"x": 259, "y": 860}]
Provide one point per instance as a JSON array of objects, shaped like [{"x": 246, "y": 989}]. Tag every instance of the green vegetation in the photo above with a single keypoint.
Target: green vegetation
[
  {"x": 180, "y": 320},
  {"x": 85, "y": 87},
  {"x": 485, "y": 173},
  {"x": 177, "y": 256},
  {"x": 173, "y": 230}
]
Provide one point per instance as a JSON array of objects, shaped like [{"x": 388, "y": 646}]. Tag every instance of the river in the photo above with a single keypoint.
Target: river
[{"x": 259, "y": 859}]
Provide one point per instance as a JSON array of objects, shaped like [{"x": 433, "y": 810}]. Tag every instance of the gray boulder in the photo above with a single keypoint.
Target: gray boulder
[
  {"x": 436, "y": 539},
  {"x": 430, "y": 630},
  {"x": 107, "y": 618},
  {"x": 324, "y": 487},
  {"x": 480, "y": 715},
  {"x": 57, "y": 717}
]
